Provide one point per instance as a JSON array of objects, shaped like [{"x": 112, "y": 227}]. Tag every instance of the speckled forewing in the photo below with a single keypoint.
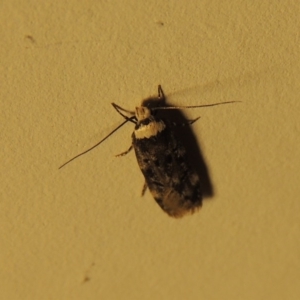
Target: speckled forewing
[{"x": 172, "y": 181}]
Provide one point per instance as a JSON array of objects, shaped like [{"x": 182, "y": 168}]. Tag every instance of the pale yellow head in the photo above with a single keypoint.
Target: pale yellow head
[{"x": 142, "y": 113}]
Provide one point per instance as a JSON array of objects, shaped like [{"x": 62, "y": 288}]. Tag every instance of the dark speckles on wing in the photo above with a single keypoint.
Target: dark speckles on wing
[{"x": 173, "y": 183}]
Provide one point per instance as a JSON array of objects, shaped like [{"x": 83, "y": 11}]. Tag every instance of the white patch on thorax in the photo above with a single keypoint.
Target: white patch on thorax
[{"x": 149, "y": 130}]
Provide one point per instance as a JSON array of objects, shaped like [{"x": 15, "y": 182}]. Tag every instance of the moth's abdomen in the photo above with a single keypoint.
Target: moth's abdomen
[{"x": 171, "y": 180}]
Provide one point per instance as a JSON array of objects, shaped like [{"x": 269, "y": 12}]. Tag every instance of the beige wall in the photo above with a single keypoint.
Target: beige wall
[{"x": 84, "y": 232}]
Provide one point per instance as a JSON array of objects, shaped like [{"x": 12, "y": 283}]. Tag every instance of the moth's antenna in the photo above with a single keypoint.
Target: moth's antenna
[
  {"x": 193, "y": 106},
  {"x": 161, "y": 95},
  {"x": 86, "y": 151}
]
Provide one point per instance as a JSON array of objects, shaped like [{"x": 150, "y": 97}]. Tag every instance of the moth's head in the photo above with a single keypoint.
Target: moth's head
[{"x": 142, "y": 113}]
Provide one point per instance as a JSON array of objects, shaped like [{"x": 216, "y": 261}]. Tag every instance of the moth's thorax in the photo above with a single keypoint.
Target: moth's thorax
[{"x": 148, "y": 128}]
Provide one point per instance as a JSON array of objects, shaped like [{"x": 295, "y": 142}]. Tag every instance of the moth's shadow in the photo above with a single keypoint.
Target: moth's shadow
[{"x": 187, "y": 137}]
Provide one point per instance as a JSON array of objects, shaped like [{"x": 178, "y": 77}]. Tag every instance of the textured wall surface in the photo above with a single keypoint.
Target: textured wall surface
[{"x": 84, "y": 232}]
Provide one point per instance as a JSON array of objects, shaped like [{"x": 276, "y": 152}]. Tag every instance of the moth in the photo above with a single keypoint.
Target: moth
[{"x": 162, "y": 158}]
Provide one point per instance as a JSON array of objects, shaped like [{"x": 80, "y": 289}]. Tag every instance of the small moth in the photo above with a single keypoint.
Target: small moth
[{"x": 162, "y": 158}]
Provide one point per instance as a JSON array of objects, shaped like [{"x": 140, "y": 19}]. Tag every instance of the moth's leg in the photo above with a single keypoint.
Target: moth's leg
[
  {"x": 119, "y": 109},
  {"x": 161, "y": 94},
  {"x": 125, "y": 152},
  {"x": 190, "y": 122},
  {"x": 144, "y": 189}
]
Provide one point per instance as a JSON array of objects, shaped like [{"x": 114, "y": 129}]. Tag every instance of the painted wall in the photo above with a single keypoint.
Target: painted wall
[{"x": 84, "y": 232}]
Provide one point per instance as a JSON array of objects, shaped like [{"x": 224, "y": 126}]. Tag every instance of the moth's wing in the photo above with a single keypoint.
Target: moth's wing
[{"x": 173, "y": 183}]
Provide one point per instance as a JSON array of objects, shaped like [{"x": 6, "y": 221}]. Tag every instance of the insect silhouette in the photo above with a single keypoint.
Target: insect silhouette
[{"x": 162, "y": 158}]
